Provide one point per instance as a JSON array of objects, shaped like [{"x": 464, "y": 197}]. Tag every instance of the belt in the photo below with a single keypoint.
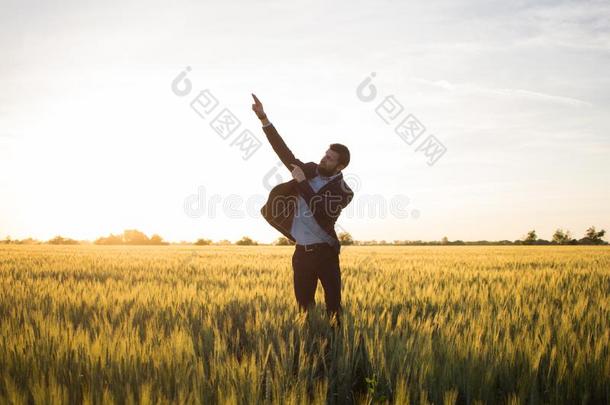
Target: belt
[{"x": 313, "y": 246}]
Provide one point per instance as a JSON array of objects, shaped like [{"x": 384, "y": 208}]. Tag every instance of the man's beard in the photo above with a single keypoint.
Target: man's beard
[{"x": 324, "y": 171}]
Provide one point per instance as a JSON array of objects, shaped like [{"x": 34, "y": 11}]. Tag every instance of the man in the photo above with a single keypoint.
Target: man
[{"x": 305, "y": 210}]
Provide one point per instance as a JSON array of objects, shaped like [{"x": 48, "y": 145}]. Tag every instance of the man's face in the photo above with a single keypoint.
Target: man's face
[{"x": 329, "y": 164}]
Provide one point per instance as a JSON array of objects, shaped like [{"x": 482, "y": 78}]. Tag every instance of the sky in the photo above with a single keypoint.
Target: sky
[{"x": 98, "y": 134}]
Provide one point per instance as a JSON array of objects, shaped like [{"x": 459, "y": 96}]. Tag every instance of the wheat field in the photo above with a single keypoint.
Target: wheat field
[{"x": 219, "y": 324}]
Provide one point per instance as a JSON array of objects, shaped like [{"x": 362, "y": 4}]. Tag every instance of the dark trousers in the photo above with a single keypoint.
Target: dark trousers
[{"x": 321, "y": 262}]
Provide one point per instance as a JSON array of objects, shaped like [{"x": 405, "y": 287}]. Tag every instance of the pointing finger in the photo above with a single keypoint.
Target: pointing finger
[{"x": 256, "y": 100}]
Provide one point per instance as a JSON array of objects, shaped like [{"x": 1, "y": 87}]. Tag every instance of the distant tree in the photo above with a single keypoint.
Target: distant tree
[
  {"x": 131, "y": 237},
  {"x": 283, "y": 241},
  {"x": 444, "y": 241},
  {"x": 157, "y": 240},
  {"x": 29, "y": 241},
  {"x": 593, "y": 237},
  {"x": 109, "y": 240},
  {"x": 246, "y": 241},
  {"x": 562, "y": 237},
  {"x": 59, "y": 240},
  {"x": 9, "y": 241},
  {"x": 530, "y": 238},
  {"x": 345, "y": 238},
  {"x": 203, "y": 242},
  {"x": 135, "y": 237}
]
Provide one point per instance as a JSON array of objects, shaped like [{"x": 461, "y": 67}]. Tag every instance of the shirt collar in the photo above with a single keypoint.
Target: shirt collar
[{"x": 327, "y": 178}]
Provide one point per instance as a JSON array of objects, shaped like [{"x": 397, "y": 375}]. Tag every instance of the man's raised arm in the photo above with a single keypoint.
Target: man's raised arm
[{"x": 276, "y": 141}]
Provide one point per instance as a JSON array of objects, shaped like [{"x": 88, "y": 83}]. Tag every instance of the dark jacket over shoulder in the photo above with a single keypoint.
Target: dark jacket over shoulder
[{"x": 326, "y": 204}]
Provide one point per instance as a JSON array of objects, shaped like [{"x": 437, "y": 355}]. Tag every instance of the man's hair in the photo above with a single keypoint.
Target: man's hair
[{"x": 342, "y": 151}]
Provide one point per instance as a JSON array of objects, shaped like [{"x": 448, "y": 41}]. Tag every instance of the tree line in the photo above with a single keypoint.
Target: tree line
[{"x": 135, "y": 237}]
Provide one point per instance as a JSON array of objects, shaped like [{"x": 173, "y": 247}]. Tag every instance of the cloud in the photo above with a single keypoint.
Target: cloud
[{"x": 469, "y": 88}]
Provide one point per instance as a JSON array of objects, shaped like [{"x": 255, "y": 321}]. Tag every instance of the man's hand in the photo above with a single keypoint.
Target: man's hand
[
  {"x": 257, "y": 107},
  {"x": 297, "y": 173}
]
